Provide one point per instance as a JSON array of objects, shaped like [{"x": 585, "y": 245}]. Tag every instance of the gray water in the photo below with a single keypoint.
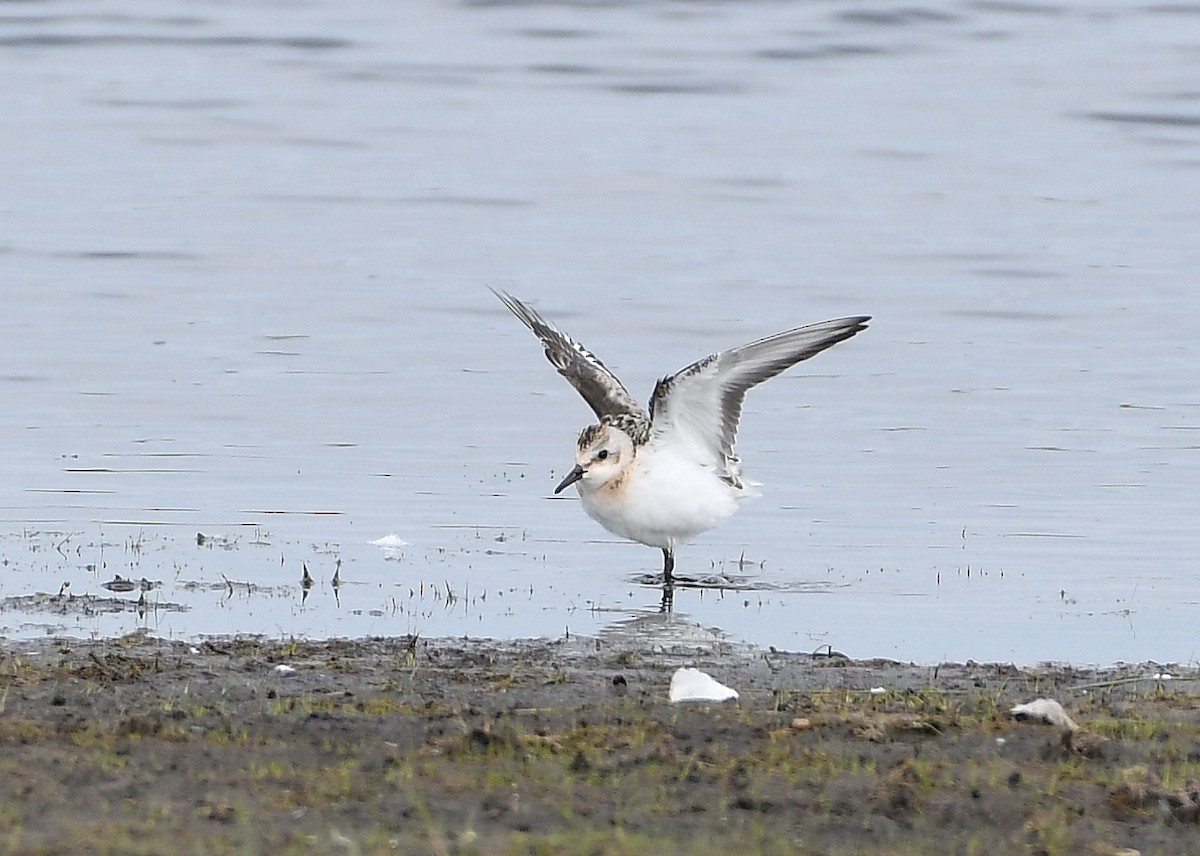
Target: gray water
[{"x": 245, "y": 250}]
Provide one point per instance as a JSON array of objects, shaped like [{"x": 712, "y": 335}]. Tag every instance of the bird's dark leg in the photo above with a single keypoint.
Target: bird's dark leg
[{"x": 668, "y": 598}]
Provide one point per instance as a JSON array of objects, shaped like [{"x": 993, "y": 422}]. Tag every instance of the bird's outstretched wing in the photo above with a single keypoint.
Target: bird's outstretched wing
[
  {"x": 701, "y": 405},
  {"x": 598, "y": 386}
]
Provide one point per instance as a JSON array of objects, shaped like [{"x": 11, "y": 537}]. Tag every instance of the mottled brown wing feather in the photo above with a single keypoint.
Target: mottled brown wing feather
[{"x": 590, "y": 377}]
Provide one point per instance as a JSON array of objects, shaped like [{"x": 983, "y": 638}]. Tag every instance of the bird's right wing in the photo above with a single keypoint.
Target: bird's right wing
[{"x": 590, "y": 377}]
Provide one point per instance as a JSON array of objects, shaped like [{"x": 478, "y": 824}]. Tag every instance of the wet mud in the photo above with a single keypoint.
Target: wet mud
[{"x": 242, "y": 745}]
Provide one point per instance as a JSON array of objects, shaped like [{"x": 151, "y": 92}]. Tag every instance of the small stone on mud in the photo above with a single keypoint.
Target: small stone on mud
[
  {"x": 801, "y": 723},
  {"x": 1085, "y": 744}
]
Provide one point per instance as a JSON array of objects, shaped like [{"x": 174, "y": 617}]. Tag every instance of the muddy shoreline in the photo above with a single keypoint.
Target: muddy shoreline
[{"x": 237, "y": 745}]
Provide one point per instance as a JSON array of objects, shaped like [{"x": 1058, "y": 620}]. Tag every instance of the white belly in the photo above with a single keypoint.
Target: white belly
[{"x": 663, "y": 501}]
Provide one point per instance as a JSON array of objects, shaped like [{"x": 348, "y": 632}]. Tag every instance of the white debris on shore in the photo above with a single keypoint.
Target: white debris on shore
[
  {"x": 694, "y": 685},
  {"x": 1045, "y": 710}
]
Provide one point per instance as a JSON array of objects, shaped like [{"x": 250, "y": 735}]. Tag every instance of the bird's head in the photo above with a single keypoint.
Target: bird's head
[{"x": 603, "y": 453}]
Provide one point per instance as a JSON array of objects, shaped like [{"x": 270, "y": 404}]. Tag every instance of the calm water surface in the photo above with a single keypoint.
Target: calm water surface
[{"x": 246, "y": 249}]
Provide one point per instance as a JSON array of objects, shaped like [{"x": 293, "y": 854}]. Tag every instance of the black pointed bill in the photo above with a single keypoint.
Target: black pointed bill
[{"x": 572, "y": 477}]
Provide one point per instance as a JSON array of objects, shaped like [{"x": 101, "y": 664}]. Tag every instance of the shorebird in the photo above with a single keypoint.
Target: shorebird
[{"x": 664, "y": 475}]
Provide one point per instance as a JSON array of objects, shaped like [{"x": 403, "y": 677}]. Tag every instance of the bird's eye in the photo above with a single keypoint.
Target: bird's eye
[{"x": 602, "y": 454}]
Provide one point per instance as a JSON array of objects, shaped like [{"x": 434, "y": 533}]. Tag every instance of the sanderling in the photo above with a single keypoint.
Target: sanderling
[{"x": 664, "y": 475}]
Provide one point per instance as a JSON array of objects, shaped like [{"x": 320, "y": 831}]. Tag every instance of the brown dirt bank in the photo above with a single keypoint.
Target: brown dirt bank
[{"x": 393, "y": 745}]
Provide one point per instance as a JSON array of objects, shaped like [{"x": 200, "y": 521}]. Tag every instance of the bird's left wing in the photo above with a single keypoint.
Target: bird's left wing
[
  {"x": 590, "y": 377},
  {"x": 701, "y": 405}
]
